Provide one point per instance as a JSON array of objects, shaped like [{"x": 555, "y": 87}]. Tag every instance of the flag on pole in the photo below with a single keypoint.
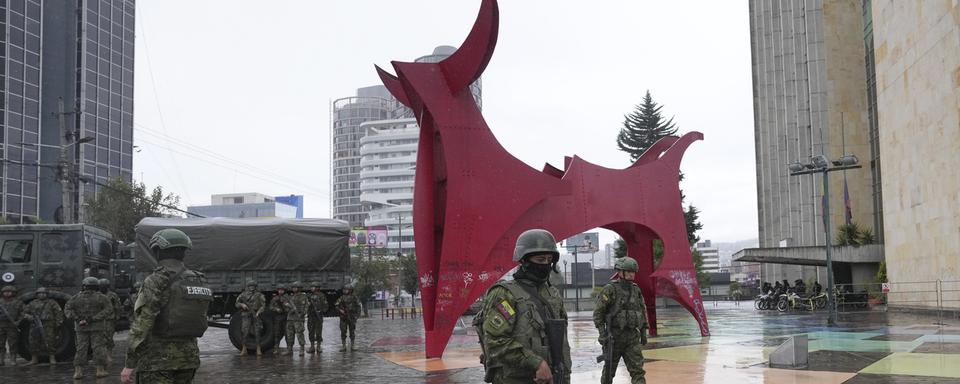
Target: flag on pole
[
  {"x": 848, "y": 211},
  {"x": 823, "y": 206}
]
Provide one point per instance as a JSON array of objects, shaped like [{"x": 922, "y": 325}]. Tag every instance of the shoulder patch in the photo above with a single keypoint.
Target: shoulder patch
[{"x": 506, "y": 309}]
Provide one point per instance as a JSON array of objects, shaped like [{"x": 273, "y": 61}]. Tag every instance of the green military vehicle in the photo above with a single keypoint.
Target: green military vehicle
[
  {"x": 271, "y": 251},
  {"x": 59, "y": 256}
]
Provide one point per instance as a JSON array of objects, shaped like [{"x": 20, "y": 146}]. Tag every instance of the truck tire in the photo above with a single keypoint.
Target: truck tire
[
  {"x": 65, "y": 349},
  {"x": 266, "y": 333}
]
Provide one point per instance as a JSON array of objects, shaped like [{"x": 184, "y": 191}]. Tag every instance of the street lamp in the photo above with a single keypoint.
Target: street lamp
[{"x": 820, "y": 164}]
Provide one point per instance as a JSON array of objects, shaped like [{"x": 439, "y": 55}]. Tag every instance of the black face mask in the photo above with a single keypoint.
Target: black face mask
[{"x": 538, "y": 271}]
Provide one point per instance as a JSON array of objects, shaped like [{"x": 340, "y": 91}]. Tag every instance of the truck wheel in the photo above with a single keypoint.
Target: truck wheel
[
  {"x": 266, "y": 333},
  {"x": 65, "y": 349}
]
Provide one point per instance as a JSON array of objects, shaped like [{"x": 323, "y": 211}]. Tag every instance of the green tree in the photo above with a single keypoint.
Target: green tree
[
  {"x": 852, "y": 234},
  {"x": 118, "y": 206},
  {"x": 643, "y": 127},
  {"x": 371, "y": 274},
  {"x": 409, "y": 277}
]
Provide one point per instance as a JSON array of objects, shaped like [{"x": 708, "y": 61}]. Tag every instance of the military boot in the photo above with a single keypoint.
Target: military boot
[
  {"x": 289, "y": 351},
  {"x": 302, "y": 351},
  {"x": 351, "y": 344},
  {"x": 102, "y": 371},
  {"x": 34, "y": 360},
  {"x": 53, "y": 360},
  {"x": 311, "y": 349},
  {"x": 243, "y": 351},
  {"x": 78, "y": 372},
  {"x": 259, "y": 351},
  {"x": 343, "y": 345}
]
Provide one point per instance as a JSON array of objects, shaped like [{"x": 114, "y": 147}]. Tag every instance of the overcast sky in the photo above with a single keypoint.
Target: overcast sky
[{"x": 234, "y": 95}]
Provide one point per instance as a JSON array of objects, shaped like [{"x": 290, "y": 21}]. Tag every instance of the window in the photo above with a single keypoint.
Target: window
[{"x": 16, "y": 250}]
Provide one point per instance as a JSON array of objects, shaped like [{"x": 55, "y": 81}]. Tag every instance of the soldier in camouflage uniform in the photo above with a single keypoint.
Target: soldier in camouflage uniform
[
  {"x": 90, "y": 311},
  {"x": 279, "y": 316},
  {"x": 170, "y": 314},
  {"x": 318, "y": 306},
  {"x": 45, "y": 338},
  {"x": 112, "y": 323},
  {"x": 514, "y": 333},
  {"x": 251, "y": 304},
  {"x": 11, "y": 312},
  {"x": 131, "y": 301},
  {"x": 621, "y": 317},
  {"x": 348, "y": 305},
  {"x": 297, "y": 304}
]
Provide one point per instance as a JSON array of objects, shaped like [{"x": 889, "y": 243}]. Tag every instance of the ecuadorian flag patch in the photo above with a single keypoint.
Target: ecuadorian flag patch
[{"x": 506, "y": 310}]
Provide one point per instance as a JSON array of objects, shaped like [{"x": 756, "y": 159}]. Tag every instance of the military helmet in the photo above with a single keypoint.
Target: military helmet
[
  {"x": 91, "y": 281},
  {"x": 170, "y": 238},
  {"x": 41, "y": 290},
  {"x": 251, "y": 282},
  {"x": 316, "y": 284},
  {"x": 626, "y": 263},
  {"x": 296, "y": 284},
  {"x": 104, "y": 282},
  {"x": 348, "y": 286},
  {"x": 8, "y": 288},
  {"x": 534, "y": 241},
  {"x": 282, "y": 286}
]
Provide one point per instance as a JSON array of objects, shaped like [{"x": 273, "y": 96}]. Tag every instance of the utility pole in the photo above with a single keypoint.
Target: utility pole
[
  {"x": 65, "y": 167},
  {"x": 399, "y": 236}
]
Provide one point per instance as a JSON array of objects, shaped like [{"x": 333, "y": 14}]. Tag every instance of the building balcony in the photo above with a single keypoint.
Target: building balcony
[{"x": 389, "y": 160}]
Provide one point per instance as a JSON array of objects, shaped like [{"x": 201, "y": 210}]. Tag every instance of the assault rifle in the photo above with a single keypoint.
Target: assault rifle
[
  {"x": 607, "y": 356},
  {"x": 556, "y": 335}
]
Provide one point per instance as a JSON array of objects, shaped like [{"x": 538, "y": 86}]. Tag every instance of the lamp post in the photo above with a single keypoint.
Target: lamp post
[{"x": 820, "y": 164}]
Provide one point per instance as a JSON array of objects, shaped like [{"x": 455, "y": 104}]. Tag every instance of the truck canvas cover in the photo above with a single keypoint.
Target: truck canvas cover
[{"x": 228, "y": 244}]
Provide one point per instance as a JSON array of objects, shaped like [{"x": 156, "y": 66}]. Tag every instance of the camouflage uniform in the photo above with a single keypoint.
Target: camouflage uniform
[
  {"x": 48, "y": 311},
  {"x": 623, "y": 298},
  {"x": 297, "y": 305},
  {"x": 279, "y": 319},
  {"x": 250, "y": 318},
  {"x": 159, "y": 359},
  {"x": 349, "y": 307},
  {"x": 9, "y": 333},
  {"x": 95, "y": 308},
  {"x": 129, "y": 303},
  {"x": 318, "y": 306},
  {"x": 112, "y": 323}
]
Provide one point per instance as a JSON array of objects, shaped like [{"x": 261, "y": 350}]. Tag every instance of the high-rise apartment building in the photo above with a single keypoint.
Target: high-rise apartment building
[
  {"x": 711, "y": 256},
  {"x": 388, "y": 165},
  {"x": 78, "y": 54}
]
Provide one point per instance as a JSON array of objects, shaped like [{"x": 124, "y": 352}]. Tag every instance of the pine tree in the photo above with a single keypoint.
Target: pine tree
[{"x": 643, "y": 127}]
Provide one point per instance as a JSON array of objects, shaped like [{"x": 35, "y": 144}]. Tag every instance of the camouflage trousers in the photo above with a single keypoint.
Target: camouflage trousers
[
  {"x": 294, "y": 328},
  {"x": 108, "y": 335},
  {"x": 250, "y": 324},
  {"x": 346, "y": 325},
  {"x": 9, "y": 336},
  {"x": 632, "y": 353},
  {"x": 180, "y": 376},
  {"x": 48, "y": 343},
  {"x": 279, "y": 329},
  {"x": 91, "y": 340},
  {"x": 315, "y": 329}
]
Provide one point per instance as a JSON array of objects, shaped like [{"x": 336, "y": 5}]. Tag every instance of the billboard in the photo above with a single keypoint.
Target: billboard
[
  {"x": 588, "y": 242},
  {"x": 368, "y": 237}
]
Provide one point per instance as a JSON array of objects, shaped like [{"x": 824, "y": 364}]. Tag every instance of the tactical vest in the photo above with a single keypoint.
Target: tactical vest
[
  {"x": 530, "y": 327},
  {"x": 12, "y": 309},
  {"x": 185, "y": 314},
  {"x": 631, "y": 313}
]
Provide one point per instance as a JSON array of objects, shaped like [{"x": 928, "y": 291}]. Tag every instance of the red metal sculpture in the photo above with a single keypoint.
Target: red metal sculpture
[{"x": 473, "y": 198}]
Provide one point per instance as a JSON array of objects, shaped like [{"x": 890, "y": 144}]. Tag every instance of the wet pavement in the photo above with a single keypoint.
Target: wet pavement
[{"x": 866, "y": 347}]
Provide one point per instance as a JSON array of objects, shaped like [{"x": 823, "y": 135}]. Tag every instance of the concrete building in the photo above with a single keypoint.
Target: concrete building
[
  {"x": 388, "y": 164},
  {"x": 80, "y": 54},
  {"x": 916, "y": 47},
  {"x": 244, "y": 205},
  {"x": 811, "y": 98},
  {"x": 711, "y": 256}
]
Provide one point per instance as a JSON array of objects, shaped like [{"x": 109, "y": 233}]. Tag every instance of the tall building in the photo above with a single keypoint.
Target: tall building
[
  {"x": 78, "y": 54},
  {"x": 810, "y": 98},
  {"x": 387, "y": 166},
  {"x": 244, "y": 205},
  {"x": 370, "y": 106},
  {"x": 711, "y": 256}
]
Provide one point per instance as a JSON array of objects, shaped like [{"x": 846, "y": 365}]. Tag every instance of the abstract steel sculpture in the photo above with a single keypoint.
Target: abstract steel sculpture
[{"x": 473, "y": 198}]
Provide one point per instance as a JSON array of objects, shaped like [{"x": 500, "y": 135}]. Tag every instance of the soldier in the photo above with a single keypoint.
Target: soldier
[
  {"x": 112, "y": 323},
  {"x": 297, "y": 304},
  {"x": 90, "y": 311},
  {"x": 279, "y": 316},
  {"x": 131, "y": 301},
  {"x": 11, "y": 312},
  {"x": 522, "y": 323},
  {"x": 621, "y": 318},
  {"x": 170, "y": 314},
  {"x": 45, "y": 318},
  {"x": 251, "y": 304},
  {"x": 348, "y": 305},
  {"x": 318, "y": 306}
]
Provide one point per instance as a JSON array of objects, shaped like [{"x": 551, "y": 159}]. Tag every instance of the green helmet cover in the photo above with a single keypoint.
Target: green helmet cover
[
  {"x": 626, "y": 263},
  {"x": 282, "y": 286},
  {"x": 251, "y": 282},
  {"x": 8, "y": 288},
  {"x": 104, "y": 282},
  {"x": 535, "y": 241},
  {"x": 91, "y": 281},
  {"x": 296, "y": 284},
  {"x": 170, "y": 238},
  {"x": 316, "y": 284}
]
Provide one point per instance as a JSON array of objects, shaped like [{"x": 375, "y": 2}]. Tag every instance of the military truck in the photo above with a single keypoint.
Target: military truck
[
  {"x": 271, "y": 251},
  {"x": 59, "y": 256}
]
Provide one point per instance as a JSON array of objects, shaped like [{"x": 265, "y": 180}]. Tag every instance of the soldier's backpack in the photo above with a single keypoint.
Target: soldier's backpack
[{"x": 185, "y": 314}]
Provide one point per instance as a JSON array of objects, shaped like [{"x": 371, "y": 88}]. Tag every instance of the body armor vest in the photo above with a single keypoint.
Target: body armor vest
[
  {"x": 631, "y": 312},
  {"x": 185, "y": 314}
]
